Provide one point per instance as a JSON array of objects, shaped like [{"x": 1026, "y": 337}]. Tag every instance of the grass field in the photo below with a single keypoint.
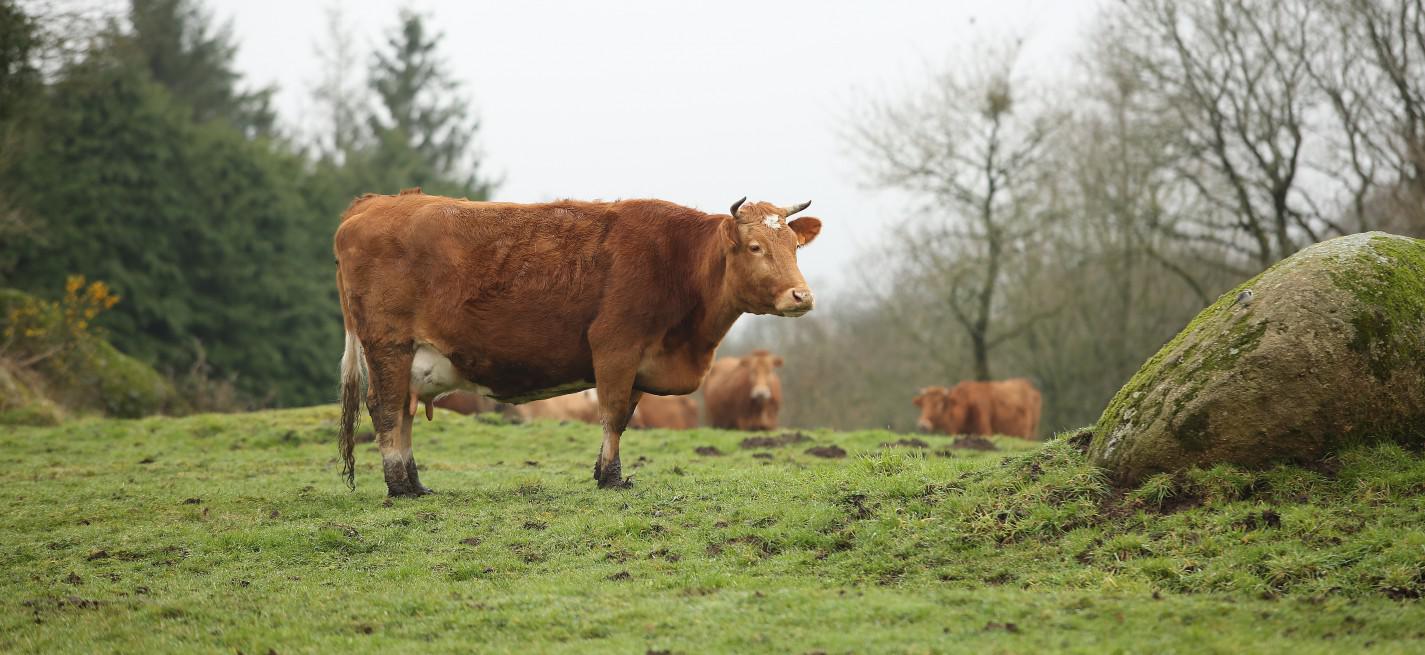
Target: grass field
[{"x": 234, "y": 534}]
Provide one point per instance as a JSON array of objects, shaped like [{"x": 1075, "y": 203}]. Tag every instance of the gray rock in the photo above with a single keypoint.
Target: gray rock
[{"x": 1329, "y": 351}]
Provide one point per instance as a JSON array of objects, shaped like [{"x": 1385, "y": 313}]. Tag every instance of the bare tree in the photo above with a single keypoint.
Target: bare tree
[
  {"x": 1232, "y": 82},
  {"x": 969, "y": 149},
  {"x": 1373, "y": 72}
]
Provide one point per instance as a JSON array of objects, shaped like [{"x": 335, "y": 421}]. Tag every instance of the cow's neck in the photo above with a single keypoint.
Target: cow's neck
[{"x": 719, "y": 303}]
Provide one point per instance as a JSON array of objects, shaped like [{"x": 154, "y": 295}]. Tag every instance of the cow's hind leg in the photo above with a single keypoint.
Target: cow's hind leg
[{"x": 388, "y": 401}]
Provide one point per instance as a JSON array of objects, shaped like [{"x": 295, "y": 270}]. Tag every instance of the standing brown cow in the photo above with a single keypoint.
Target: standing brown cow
[
  {"x": 1009, "y": 407},
  {"x": 524, "y": 302},
  {"x": 666, "y": 412},
  {"x": 744, "y": 393}
]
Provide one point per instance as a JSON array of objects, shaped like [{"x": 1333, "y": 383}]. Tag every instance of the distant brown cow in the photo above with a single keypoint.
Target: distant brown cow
[
  {"x": 582, "y": 406},
  {"x": 1009, "y": 407},
  {"x": 467, "y": 402},
  {"x": 525, "y": 302},
  {"x": 666, "y": 412},
  {"x": 744, "y": 393}
]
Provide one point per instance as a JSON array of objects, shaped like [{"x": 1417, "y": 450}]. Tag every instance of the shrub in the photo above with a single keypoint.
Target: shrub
[{"x": 58, "y": 342}]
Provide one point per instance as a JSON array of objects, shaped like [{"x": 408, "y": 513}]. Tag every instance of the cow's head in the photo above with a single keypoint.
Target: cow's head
[
  {"x": 940, "y": 410},
  {"x": 762, "y": 268},
  {"x": 761, "y": 372}
]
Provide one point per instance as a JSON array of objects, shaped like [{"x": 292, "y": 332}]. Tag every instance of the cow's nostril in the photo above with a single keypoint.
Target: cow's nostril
[{"x": 801, "y": 295}]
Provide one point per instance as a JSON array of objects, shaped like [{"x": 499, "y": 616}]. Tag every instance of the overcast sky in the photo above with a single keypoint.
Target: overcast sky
[{"x": 698, "y": 103}]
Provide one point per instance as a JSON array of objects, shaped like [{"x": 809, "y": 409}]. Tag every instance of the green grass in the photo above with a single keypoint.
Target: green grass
[{"x": 233, "y": 533}]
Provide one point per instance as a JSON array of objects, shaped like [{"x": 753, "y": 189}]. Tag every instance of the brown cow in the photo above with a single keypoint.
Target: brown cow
[
  {"x": 744, "y": 393},
  {"x": 582, "y": 406},
  {"x": 466, "y": 402},
  {"x": 524, "y": 302},
  {"x": 666, "y": 412},
  {"x": 1009, "y": 407}
]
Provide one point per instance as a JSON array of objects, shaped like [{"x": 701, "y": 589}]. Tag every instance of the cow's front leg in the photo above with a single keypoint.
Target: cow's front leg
[{"x": 617, "y": 400}]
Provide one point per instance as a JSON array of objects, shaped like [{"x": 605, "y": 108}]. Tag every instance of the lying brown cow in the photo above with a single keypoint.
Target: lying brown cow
[
  {"x": 524, "y": 302},
  {"x": 1009, "y": 407},
  {"x": 466, "y": 402},
  {"x": 666, "y": 412},
  {"x": 582, "y": 406},
  {"x": 744, "y": 393}
]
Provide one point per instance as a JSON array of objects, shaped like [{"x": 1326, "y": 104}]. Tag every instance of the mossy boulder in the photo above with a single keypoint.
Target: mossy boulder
[{"x": 1328, "y": 352}]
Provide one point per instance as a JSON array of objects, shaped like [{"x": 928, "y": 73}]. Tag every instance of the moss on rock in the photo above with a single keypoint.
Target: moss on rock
[{"x": 1330, "y": 351}]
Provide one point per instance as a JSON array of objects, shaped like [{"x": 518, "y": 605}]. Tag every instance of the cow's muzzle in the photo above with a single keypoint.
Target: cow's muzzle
[
  {"x": 761, "y": 393},
  {"x": 795, "y": 302}
]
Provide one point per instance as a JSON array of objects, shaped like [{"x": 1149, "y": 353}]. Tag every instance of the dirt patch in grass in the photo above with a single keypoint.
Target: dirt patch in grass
[
  {"x": 1268, "y": 519},
  {"x": 708, "y": 451},
  {"x": 783, "y": 439},
  {"x": 973, "y": 442},
  {"x": 1080, "y": 440},
  {"x": 906, "y": 443},
  {"x": 1180, "y": 503},
  {"x": 828, "y": 452}
]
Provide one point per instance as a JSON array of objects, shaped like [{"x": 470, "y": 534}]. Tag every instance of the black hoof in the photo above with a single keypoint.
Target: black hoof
[
  {"x": 402, "y": 479},
  {"x": 611, "y": 477},
  {"x": 408, "y": 491},
  {"x": 617, "y": 483}
]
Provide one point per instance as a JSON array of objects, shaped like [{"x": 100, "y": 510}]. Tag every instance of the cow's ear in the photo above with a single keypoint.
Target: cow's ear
[
  {"x": 777, "y": 361},
  {"x": 920, "y": 399},
  {"x": 729, "y": 232},
  {"x": 806, "y": 229}
]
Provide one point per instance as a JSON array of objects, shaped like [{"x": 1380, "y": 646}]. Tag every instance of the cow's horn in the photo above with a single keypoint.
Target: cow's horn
[
  {"x": 737, "y": 204},
  {"x": 796, "y": 208}
]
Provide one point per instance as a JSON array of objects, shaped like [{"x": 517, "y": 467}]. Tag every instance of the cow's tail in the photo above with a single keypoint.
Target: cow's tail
[{"x": 350, "y": 406}]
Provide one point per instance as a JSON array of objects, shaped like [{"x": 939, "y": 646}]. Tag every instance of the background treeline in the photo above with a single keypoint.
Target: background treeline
[
  {"x": 1065, "y": 232},
  {"x": 1057, "y": 231},
  {"x": 132, "y": 151}
]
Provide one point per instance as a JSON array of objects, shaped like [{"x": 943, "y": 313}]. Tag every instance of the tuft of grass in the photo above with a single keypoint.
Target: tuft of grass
[
  {"x": 233, "y": 533},
  {"x": 1155, "y": 490}
]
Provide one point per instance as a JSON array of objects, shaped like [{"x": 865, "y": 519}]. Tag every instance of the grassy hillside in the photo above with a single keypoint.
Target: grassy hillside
[{"x": 233, "y": 534}]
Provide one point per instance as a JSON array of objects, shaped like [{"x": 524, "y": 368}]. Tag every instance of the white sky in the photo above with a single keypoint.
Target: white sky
[{"x": 698, "y": 103}]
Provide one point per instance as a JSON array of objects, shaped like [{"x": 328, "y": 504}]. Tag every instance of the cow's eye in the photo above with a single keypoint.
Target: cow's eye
[{"x": 754, "y": 248}]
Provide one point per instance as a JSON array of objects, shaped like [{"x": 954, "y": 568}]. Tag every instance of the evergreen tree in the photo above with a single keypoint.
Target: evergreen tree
[
  {"x": 206, "y": 234},
  {"x": 19, "y": 40},
  {"x": 176, "y": 42},
  {"x": 19, "y": 85},
  {"x": 423, "y": 133}
]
